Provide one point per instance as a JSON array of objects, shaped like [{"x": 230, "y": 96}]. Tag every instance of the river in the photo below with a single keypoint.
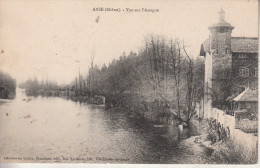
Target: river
[{"x": 51, "y": 129}]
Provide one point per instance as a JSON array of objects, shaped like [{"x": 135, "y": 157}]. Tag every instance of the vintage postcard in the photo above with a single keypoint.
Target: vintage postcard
[{"x": 129, "y": 82}]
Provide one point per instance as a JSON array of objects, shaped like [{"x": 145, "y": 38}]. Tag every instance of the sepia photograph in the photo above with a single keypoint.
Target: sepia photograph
[{"x": 129, "y": 82}]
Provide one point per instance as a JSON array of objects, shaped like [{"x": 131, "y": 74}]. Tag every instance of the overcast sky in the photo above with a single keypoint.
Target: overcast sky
[{"x": 53, "y": 38}]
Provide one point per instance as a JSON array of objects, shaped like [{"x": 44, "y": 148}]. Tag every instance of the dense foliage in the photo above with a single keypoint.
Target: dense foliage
[
  {"x": 159, "y": 82},
  {"x": 34, "y": 87},
  {"x": 7, "y": 81},
  {"x": 161, "y": 73}
]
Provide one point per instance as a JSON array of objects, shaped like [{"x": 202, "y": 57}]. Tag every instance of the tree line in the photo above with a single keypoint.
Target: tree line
[
  {"x": 162, "y": 76},
  {"x": 6, "y": 81},
  {"x": 7, "y": 85},
  {"x": 161, "y": 82},
  {"x": 33, "y": 87}
]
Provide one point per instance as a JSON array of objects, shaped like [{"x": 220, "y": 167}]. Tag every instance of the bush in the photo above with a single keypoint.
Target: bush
[
  {"x": 236, "y": 154},
  {"x": 211, "y": 137}
]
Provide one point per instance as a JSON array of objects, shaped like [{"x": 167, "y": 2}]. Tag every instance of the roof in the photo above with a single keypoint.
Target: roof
[
  {"x": 221, "y": 23},
  {"x": 247, "y": 95},
  {"x": 238, "y": 44},
  {"x": 244, "y": 44}
]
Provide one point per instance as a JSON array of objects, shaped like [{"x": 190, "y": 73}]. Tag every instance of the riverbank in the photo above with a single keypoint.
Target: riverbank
[
  {"x": 91, "y": 131},
  {"x": 194, "y": 152},
  {"x": 4, "y": 101},
  {"x": 196, "y": 142},
  {"x": 192, "y": 142},
  {"x": 72, "y": 129},
  {"x": 206, "y": 149}
]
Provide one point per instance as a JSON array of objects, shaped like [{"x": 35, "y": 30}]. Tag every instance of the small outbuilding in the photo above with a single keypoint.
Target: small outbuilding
[{"x": 248, "y": 99}]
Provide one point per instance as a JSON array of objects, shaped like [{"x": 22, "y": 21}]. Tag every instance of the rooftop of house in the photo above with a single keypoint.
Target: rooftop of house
[
  {"x": 238, "y": 44},
  {"x": 244, "y": 44},
  {"x": 247, "y": 95}
]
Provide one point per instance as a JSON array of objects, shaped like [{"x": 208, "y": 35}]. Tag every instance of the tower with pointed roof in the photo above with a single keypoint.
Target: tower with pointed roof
[{"x": 220, "y": 35}]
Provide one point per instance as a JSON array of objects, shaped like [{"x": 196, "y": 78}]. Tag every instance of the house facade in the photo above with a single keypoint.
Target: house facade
[{"x": 230, "y": 65}]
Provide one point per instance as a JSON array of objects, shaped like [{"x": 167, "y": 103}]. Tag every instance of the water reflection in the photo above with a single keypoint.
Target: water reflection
[{"x": 50, "y": 126}]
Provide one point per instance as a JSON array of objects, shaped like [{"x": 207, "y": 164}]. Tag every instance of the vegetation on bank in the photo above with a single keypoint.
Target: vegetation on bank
[
  {"x": 159, "y": 82},
  {"x": 33, "y": 87},
  {"x": 228, "y": 152},
  {"x": 7, "y": 85},
  {"x": 223, "y": 149},
  {"x": 7, "y": 81}
]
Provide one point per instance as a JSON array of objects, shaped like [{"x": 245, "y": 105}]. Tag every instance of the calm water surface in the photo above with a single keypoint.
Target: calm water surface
[{"x": 55, "y": 127}]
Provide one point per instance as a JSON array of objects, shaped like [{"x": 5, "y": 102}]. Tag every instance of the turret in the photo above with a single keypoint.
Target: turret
[{"x": 220, "y": 35}]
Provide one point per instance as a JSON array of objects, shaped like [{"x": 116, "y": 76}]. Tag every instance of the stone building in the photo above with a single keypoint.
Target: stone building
[{"x": 230, "y": 65}]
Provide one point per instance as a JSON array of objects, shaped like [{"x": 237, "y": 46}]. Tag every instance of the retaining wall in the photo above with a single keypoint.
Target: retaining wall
[{"x": 246, "y": 140}]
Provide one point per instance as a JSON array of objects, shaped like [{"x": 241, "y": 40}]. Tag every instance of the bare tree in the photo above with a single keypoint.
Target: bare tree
[
  {"x": 175, "y": 52},
  {"x": 191, "y": 87},
  {"x": 91, "y": 81}
]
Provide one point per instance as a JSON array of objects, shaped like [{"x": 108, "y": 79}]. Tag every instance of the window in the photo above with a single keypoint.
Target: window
[
  {"x": 255, "y": 72},
  {"x": 244, "y": 72},
  {"x": 222, "y": 30},
  {"x": 242, "y": 105},
  {"x": 242, "y": 55}
]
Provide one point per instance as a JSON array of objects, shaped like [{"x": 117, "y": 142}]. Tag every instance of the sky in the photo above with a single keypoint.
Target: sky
[{"x": 52, "y": 39}]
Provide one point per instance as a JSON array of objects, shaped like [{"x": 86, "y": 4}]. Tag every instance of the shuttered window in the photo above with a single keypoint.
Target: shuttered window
[
  {"x": 244, "y": 72},
  {"x": 242, "y": 55}
]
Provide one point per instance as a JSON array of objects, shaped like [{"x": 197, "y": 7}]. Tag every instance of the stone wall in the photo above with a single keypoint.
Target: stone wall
[
  {"x": 246, "y": 122},
  {"x": 226, "y": 120},
  {"x": 248, "y": 126},
  {"x": 247, "y": 140}
]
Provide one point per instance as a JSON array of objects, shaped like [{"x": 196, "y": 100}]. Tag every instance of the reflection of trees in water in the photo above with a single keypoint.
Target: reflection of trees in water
[{"x": 156, "y": 144}]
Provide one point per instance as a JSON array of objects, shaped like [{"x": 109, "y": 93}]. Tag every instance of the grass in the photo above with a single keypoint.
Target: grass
[{"x": 231, "y": 153}]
